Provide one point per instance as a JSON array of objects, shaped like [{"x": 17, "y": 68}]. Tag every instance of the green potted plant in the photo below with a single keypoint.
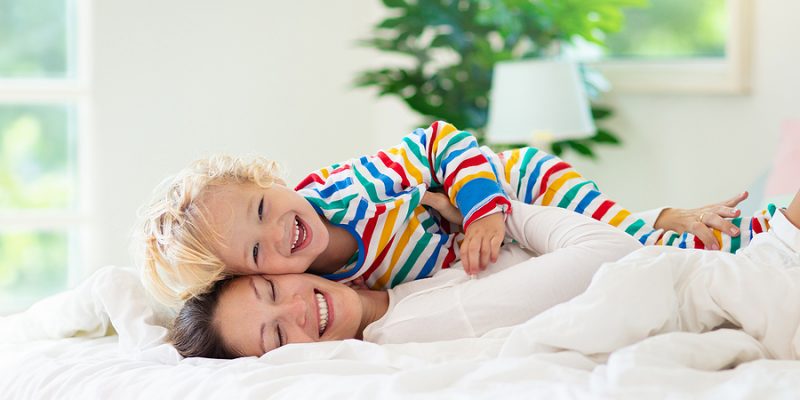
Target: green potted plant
[{"x": 453, "y": 46}]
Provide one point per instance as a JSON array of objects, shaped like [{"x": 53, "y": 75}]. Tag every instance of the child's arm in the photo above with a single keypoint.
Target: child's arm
[{"x": 536, "y": 177}]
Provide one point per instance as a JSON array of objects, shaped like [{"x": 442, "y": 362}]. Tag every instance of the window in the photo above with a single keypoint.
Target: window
[
  {"x": 43, "y": 94},
  {"x": 681, "y": 46}
]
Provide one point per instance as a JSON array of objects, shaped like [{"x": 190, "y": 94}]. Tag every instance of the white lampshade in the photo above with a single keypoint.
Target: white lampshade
[{"x": 538, "y": 101}]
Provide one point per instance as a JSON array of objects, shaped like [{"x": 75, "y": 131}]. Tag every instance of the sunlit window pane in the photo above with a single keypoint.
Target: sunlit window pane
[
  {"x": 37, "y": 157},
  {"x": 672, "y": 29},
  {"x": 36, "y": 38},
  {"x": 32, "y": 266}
]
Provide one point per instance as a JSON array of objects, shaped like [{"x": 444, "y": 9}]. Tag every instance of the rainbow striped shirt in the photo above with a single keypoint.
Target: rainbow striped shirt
[{"x": 377, "y": 198}]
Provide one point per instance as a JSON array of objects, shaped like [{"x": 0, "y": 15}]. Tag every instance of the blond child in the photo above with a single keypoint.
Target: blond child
[{"x": 369, "y": 218}]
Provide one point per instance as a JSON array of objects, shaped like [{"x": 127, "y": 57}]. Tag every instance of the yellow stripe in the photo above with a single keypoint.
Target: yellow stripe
[
  {"x": 399, "y": 247},
  {"x": 619, "y": 218},
  {"x": 511, "y": 163},
  {"x": 388, "y": 224},
  {"x": 443, "y": 131},
  {"x": 553, "y": 189},
  {"x": 463, "y": 181},
  {"x": 718, "y": 235},
  {"x": 407, "y": 164},
  {"x": 766, "y": 225},
  {"x": 324, "y": 173}
]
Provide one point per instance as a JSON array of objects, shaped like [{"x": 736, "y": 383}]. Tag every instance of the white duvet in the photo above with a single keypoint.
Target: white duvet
[{"x": 648, "y": 326}]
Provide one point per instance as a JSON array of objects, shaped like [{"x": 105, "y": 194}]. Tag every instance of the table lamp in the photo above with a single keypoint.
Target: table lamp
[{"x": 537, "y": 102}]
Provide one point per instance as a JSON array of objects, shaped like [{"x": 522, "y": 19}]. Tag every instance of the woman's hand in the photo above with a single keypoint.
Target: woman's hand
[{"x": 701, "y": 221}]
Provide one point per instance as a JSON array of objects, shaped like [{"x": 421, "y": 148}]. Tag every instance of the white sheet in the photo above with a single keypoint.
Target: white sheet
[{"x": 611, "y": 331}]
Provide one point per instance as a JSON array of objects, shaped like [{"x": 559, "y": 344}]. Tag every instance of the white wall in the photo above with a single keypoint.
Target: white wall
[
  {"x": 180, "y": 79},
  {"x": 176, "y": 80}
]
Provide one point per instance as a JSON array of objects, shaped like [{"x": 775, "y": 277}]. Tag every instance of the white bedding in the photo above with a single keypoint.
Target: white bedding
[{"x": 612, "y": 331}]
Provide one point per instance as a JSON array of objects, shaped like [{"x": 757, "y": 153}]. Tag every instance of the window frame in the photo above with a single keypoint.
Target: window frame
[
  {"x": 728, "y": 75},
  {"x": 73, "y": 90}
]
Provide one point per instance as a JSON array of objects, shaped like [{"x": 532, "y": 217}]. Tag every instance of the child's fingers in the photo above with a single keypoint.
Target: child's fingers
[
  {"x": 486, "y": 252},
  {"x": 496, "y": 243}
]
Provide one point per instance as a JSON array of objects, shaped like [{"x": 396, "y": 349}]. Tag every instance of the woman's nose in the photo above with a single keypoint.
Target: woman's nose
[{"x": 295, "y": 310}]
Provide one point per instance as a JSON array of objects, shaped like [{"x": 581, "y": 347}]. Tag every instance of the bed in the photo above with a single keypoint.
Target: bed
[{"x": 102, "y": 340}]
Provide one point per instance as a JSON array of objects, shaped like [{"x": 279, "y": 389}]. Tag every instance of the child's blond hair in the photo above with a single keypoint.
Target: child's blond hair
[{"x": 173, "y": 240}]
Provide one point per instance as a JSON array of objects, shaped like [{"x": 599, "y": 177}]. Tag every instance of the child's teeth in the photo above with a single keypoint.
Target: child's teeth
[{"x": 296, "y": 233}]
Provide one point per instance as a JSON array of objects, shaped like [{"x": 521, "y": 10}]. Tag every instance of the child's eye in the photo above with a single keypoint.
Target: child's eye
[
  {"x": 281, "y": 340},
  {"x": 255, "y": 253},
  {"x": 261, "y": 209}
]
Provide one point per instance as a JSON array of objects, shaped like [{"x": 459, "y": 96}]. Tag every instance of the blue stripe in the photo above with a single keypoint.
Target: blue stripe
[
  {"x": 428, "y": 268},
  {"x": 335, "y": 187},
  {"x": 388, "y": 182},
  {"x": 643, "y": 239},
  {"x": 454, "y": 154},
  {"x": 474, "y": 194},
  {"x": 361, "y": 210},
  {"x": 586, "y": 201},
  {"x": 682, "y": 244},
  {"x": 535, "y": 177}
]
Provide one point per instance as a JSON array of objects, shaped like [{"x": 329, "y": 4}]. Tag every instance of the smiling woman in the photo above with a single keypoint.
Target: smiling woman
[{"x": 252, "y": 315}]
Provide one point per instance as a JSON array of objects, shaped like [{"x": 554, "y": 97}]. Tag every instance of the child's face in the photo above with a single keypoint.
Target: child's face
[
  {"x": 259, "y": 313},
  {"x": 272, "y": 230}
]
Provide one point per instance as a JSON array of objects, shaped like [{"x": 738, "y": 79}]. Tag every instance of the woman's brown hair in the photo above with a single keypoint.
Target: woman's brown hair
[{"x": 194, "y": 333}]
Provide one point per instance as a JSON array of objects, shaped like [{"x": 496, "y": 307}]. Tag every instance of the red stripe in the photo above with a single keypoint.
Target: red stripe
[
  {"x": 601, "y": 211},
  {"x": 698, "y": 244},
  {"x": 477, "y": 159},
  {"x": 379, "y": 259},
  {"x": 660, "y": 236},
  {"x": 340, "y": 169},
  {"x": 434, "y": 133},
  {"x": 308, "y": 180},
  {"x": 369, "y": 229},
  {"x": 484, "y": 209},
  {"x": 451, "y": 255},
  {"x": 388, "y": 162},
  {"x": 558, "y": 167},
  {"x": 757, "y": 228}
]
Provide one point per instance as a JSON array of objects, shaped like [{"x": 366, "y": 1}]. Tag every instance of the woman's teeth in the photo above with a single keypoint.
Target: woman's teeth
[{"x": 323, "y": 313}]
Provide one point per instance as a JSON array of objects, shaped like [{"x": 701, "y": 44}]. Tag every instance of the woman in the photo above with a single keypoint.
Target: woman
[{"x": 251, "y": 315}]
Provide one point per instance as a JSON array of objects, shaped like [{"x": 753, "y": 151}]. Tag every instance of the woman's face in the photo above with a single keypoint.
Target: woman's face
[{"x": 259, "y": 313}]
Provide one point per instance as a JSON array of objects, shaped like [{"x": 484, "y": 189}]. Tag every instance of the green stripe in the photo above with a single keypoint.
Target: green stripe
[
  {"x": 771, "y": 209},
  {"x": 529, "y": 153},
  {"x": 413, "y": 203},
  {"x": 453, "y": 140},
  {"x": 339, "y": 216},
  {"x": 344, "y": 202},
  {"x": 571, "y": 195},
  {"x": 368, "y": 186},
  {"x": 414, "y": 148},
  {"x": 736, "y": 242},
  {"x": 411, "y": 260},
  {"x": 634, "y": 227},
  {"x": 672, "y": 238}
]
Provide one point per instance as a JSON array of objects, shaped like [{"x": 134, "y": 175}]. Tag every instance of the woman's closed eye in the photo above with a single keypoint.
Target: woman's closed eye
[{"x": 278, "y": 330}]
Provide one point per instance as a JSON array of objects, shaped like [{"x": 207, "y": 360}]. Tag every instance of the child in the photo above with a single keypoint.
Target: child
[{"x": 366, "y": 218}]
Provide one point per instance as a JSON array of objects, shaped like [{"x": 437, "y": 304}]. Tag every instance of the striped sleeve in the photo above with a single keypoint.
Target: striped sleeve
[
  {"x": 443, "y": 157},
  {"x": 537, "y": 177}
]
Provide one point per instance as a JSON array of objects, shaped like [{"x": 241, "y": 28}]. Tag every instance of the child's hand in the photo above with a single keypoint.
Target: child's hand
[
  {"x": 357, "y": 284},
  {"x": 482, "y": 243}
]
